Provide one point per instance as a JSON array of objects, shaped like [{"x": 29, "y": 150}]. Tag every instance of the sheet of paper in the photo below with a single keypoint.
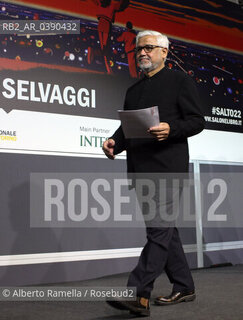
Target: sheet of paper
[{"x": 135, "y": 123}]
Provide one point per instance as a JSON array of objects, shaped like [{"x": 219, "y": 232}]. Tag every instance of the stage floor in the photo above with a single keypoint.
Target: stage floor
[{"x": 219, "y": 297}]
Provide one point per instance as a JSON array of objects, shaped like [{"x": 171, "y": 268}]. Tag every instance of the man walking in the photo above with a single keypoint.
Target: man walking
[{"x": 178, "y": 101}]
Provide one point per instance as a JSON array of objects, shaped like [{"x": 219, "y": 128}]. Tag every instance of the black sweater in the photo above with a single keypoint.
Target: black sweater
[{"x": 179, "y": 105}]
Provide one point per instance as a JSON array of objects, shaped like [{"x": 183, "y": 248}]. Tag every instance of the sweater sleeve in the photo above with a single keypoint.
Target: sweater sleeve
[
  {"x": 192, "y": 120},
  {"x": 119, "y": 139}
]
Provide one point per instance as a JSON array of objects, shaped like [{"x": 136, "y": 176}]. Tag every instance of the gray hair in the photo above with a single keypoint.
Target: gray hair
[{"x": 161, "y": 38}]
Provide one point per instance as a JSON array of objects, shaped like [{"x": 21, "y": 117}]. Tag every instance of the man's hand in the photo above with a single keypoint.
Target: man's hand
[
  {"x": 108, "y": 148},
  {"x": 161, "y": 132}
]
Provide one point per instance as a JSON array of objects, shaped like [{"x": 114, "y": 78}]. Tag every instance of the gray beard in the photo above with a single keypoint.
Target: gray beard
[{"x": 147, "y": 67}]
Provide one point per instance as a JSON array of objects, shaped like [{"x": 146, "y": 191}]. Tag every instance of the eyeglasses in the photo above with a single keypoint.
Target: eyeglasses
[{"x": 148, "y": 48}]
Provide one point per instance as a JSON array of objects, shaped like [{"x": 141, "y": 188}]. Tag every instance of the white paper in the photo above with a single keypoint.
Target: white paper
[{"x": 135, "y": 123}]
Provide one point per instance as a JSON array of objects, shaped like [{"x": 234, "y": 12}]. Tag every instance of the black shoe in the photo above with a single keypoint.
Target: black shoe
[
  {"x": 175, "y": 297},
  {"x": 140, "y": 307},
  {"x": 117, "y": 304}
]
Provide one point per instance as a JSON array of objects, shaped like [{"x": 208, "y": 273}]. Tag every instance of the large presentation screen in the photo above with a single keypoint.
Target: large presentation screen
[{"x": 64, "y": 76}]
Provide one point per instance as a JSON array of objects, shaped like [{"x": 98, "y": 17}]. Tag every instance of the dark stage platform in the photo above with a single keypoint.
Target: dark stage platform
[{"x": 219, "y": 297}]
